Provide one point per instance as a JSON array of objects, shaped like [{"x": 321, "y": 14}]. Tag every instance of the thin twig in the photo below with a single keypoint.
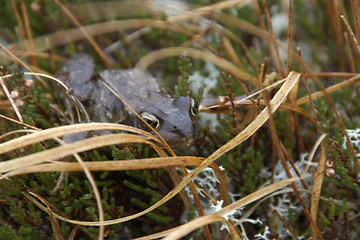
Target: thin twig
[
  {"x": 350, "y": 56},
  {"x": 29, "y": 36},
  {"x": 18, "y": 19},
  {"x": 351, "y": 33},
  {"x": 273, "y": 39},
  {"x": 289, "y": 38},
  {"x": 88, "y": 37},
  {"x": 7, "y": 93},
  {"x": 285, "y": 224},
  {"x": 17, "y": 60}
]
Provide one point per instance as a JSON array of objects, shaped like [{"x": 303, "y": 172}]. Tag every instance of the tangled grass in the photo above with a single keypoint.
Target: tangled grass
[{"x": 281, "y": 162}]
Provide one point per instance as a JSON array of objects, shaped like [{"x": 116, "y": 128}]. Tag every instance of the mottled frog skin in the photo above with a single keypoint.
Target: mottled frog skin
[{"x": 173, "y": 119}]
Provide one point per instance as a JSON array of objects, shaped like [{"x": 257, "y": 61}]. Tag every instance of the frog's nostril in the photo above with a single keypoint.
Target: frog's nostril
[{"x": 176, "y": 130}]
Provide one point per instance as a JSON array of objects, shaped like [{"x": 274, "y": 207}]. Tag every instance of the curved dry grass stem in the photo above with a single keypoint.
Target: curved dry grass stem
[
  {"x": 41, "y": 55},
  {"x": 312, "y": 152},
  {"x": 351, "y": 33},
  {"x": 62, "y": 85},
  {"x": 83, "y": 168},
  {"x": 47, "y": 76},
  {"x": 72, "y": 35},
  {"x": 316, "y": 190},
  {"x": 243, "y": 217},
  {"x": 111, "y": 165},
  {"x": 94, "y": 187},
  {"x": 148, "y": 59},
  {"x": 5, "y": 135},
  {"x": 37, "y": 75},
  {"x": 329, "y": 90},
  {"x": 218, "y": 216},
  {"x": 70, "y": 149},
  {"x": 7, "y": 93},
  {"x": 242, "y": 100},
  {"x": 64, "y": 130}
]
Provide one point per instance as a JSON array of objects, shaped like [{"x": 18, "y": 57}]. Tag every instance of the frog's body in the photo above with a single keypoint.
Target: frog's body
[{"x": 174, "y": 119}]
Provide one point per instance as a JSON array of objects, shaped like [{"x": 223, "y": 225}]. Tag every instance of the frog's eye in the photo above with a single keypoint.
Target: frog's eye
[
  {"x": 150, "y": 119},
  {"x": 194, "y": 107}
]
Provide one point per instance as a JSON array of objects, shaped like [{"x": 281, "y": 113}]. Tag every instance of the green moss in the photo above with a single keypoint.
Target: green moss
[{"x": 6, "y": 232}]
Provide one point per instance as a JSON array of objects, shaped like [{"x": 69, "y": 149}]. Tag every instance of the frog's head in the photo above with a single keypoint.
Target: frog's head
[{"x": 175, "y": 120}]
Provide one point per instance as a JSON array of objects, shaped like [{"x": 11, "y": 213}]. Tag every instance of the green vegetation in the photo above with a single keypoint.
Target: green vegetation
[{"x": 228, "y": 51}]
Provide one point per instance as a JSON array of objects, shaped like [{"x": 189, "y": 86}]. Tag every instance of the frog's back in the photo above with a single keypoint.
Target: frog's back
[
  {"x": 77, "y": 74},
  {"x": 134, "y": 86},
  {"x": 130, "y": 82}
]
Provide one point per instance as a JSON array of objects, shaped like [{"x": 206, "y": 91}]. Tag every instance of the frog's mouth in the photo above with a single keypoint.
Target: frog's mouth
[
  {"x": 174, "y": 137},
  {"x": 180, "y": 138},
  {"x": 177, "y": 140}
]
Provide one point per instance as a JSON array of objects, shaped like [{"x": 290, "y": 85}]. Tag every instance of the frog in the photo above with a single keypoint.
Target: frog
[{"x": 173, "y": 118}]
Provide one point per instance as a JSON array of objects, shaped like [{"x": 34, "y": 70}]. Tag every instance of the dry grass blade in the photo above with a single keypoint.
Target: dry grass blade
[
  {"x": 280, "y": 96},
  {"x": 218, "y": 216},
  {"x": 88, "y": 37},
  {"x": 55, "y": 226},
  {"x": 70, "y": 149},
  {"x": 6, "y": 91},
  {"x": 285, "y": 224},
  {"x": 351, "y": 33},
  {"x": 278, "y": 62},
  {"x": 289, "y": 36},
  {"x": 234, "y": 233},
  {"x": 18, "y": 19},
  {"x": 316, "y": 190},
  {"x": 328, "y": 90},
  {"x": 313, "y": 150},
  {"x": 24, "y": 11},
  {"x": 148, "y": 59},
  {"x": 54, "y": 40},
  {"x": 73, "y": 35},
  {"x": 64, "y": 130},
  {"x": 112, "y": 165},
  {"x": 238, "y": 100}
]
